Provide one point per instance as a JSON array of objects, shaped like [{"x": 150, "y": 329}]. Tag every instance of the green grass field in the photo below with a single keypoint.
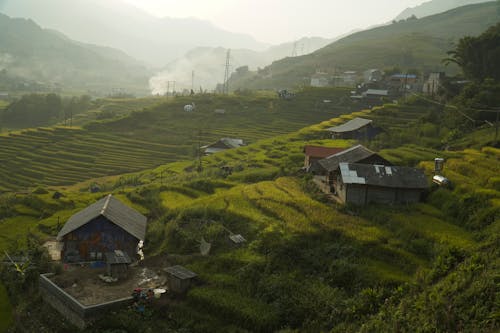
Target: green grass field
[
  {"x": 308, "y": 264},
  {"x": 158, "y": 135}
]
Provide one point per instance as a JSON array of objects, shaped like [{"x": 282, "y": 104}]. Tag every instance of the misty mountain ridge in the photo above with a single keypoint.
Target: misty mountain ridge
[
  {"x": 35, "y": 54},
  {"x": 207, "y": 63},
  {"x": 435, "y": 7},
  {"x": 117, "y": 24}
]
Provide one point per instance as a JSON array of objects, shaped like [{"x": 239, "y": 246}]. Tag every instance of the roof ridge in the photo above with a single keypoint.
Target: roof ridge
[{"x": 103, "y": 210}]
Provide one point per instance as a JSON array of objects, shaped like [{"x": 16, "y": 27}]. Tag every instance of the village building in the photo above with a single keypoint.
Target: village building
[
  {"x": 117, "y": 264},
  {"x": 345, "y": 79},
  {"x": 179, "y": 279},
  {"x": 105, "y": 226},
  {"x": 223, "y": 144},
  {"x": 362, "y": 184},
  {"x": 373, "y": 75},
  {"x": 357, "y": 128},
  {"x": 403, "y": 82},
  {"x": 326, "y": 170},
  {"x": 320, "y": 80},
  {"x": 316, "y": 153},
  {"x": 431, "y": 86}
]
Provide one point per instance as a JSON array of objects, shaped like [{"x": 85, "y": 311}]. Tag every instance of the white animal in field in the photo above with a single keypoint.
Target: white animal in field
[{"x": 190, "y": 107}]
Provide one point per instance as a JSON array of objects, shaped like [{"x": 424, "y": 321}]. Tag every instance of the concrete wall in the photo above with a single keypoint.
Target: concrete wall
[{"x": 75, "y": 312}]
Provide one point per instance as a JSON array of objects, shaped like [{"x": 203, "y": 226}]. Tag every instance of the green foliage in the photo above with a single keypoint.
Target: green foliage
[{"x": 478, "y": 56}]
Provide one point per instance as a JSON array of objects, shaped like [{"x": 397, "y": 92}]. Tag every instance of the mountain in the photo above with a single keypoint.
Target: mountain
[
  {"x": 207, "y": 63},
  {"x": 434, "y": 7},
  {"x": 415, "y": 43},
  {"x": 119, "y": 25},
  {"x": 27, "y": 51}
]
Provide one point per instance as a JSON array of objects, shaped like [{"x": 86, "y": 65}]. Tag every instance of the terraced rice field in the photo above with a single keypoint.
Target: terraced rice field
[{"x": 161, "y": 134}]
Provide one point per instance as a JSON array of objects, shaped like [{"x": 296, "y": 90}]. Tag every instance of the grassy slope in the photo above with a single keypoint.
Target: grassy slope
[
  {"x": 308, "y": 264},
  {"x": 5, "y": 310},
  {"x": 160, "y": 134},
  {"x": 419, "y": 43}
]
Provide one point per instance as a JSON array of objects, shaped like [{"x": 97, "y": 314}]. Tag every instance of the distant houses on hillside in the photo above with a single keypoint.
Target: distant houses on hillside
[{"x": 373, "y": 86}]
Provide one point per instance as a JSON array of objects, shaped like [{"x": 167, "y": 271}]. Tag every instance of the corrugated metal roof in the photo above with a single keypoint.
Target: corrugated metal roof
[
  {"x": 351, "y": 125},
  {"x": 377, "y": 92},
  {"x": 115, "y": 211},
  {"x": 180, "y": 272},
  {"x": 384, "y": 176},
  {"x": 117, "y": 257},
  {"x": 351, "y": 155},
  {"x": 237, "y": 238},
  {"x": 317, "y": 151}
]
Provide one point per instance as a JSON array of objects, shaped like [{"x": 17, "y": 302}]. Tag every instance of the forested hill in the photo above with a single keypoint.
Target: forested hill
[
  {"x": 415, "y": 43},
  {"x": 33, "y": 53}
]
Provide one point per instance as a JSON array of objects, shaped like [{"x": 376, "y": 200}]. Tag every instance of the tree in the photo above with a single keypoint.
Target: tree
[{"x": 478, "y": 56}]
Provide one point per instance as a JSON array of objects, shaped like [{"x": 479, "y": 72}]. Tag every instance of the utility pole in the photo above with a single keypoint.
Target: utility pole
[
  {"x": 192, "y": 80},
  {"x": 294, "y": 50},
  {"x": 225, "y": 89},
  {"x": 168, "y": 87}
]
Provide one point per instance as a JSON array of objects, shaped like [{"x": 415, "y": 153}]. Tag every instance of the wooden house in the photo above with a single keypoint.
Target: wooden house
[
  {"x": 357, "y": 128},
  {"x": 327, "y": 168},
  {"x": 179, "y": 279},
  {"x": 105, "y": 226},
  {"x": 316, "y": 153},
  {"x": 223, "y": 144},
  {"x": 361, "y": 184}
]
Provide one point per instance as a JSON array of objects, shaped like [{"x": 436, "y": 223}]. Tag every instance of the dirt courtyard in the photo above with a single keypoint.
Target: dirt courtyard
[{"x": 84, "y": 284}]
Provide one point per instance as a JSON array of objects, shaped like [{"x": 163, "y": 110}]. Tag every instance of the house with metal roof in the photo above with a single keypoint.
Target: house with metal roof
[
  {"x": 316, "y": 153},
  {"x": 361, "y": 184},
  {"x": 326, "y": 169},
  {"x": 223, "y": 144},
  {"x": 357, "y": 128},
  {"x": 105, "y": 226}
]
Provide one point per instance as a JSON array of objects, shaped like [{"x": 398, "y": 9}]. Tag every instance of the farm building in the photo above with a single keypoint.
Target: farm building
[
  {"x": 105, "y": 226},
  {"x": 327, "y": 168},
  {"x": 357, "y": 128},
  {"x": 179, "y": 278},
  {"x": 363, "y": 183},
  {"x": 316, "y": 153},
  {"x": 117, "y": 263},
  {"x": 223, "y": 144}
]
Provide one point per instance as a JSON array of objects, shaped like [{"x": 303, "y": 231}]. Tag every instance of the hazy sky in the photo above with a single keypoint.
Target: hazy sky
[{"x": 275, "y": 21}]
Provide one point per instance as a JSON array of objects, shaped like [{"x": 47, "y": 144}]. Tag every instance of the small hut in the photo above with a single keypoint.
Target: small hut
[
  {"x": 117, "y": 263},
  {"x": 179, "y": 279}
]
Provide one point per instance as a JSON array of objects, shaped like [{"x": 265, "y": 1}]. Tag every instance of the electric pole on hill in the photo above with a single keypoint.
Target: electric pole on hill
[
  {"x": 294, "y": 51},
  {"x": 225, "y": 89},
  {"x": 192, "y": 81}
]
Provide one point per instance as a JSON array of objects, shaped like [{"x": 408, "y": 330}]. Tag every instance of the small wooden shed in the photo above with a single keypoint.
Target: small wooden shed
[
  {"x": 179, "y": 278},
  {"x": 357, "y": 128},
  {"x": 117, "y": 263}
]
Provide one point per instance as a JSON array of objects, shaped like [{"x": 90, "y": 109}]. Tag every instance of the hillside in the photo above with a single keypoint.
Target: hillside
[
  {"x": 420, "y": 43},
  {"x": 206, "y": 63},
  {"x": 35, "y": 54},
  {"x": 309, "y": 264},
  {"x": 118, "y": 24},
  {"x": 159, "y": 134},
  {"x": 434, "y": 7}
]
